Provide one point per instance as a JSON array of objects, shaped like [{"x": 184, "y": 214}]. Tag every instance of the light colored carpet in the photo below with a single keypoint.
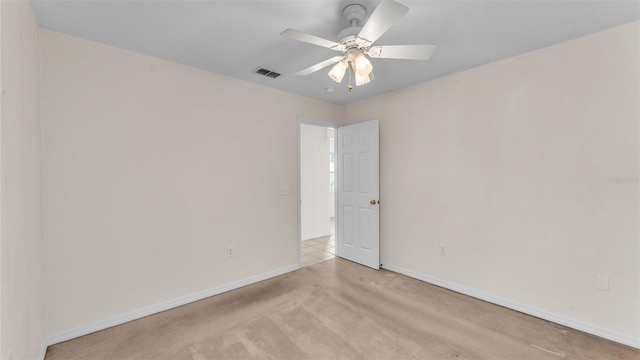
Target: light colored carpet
[{"x": 339, "y": 310}]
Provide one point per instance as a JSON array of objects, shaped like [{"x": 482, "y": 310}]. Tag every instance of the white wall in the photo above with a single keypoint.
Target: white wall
[
  {"x": 513, "y": 167},
  {"x": 21, "y": 245},
  {"x": 151, "y": 170},
  {"x": 314, "y": 182}
]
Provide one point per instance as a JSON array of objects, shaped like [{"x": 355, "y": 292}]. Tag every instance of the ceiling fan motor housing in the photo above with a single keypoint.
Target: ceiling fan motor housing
[{"x": 348, "y": 37}]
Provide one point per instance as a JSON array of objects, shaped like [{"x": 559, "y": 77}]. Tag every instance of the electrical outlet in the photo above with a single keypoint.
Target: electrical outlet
[
  {"x": 284, "y": 191},
  {"x": 443, "y": 250},
  {"x": 229, "y": 251}
]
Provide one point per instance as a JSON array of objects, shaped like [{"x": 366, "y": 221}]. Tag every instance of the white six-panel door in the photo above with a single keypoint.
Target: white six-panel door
[{"x": 358, "y": 211}]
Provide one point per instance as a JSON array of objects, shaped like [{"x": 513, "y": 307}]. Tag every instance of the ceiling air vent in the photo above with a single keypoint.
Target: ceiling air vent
[{"x": 268, "y": 73}]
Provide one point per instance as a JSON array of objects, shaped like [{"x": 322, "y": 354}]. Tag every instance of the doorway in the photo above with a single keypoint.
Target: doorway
[
  {"x": 317, "y": 178},
  {"x": 348, "y": 179}
]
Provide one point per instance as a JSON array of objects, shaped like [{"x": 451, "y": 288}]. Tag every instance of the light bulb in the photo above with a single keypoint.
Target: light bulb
[
  {"x": 362, "y": 65},
  {"x": 337, "y": 72}
]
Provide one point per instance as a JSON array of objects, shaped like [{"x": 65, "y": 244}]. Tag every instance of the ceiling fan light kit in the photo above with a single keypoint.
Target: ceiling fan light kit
[
  {"x": 356, "y": 42},
  {"x": 362, "y": 79},
  {"x": 362, "y": 65},
  {"x": 337, "y": 72}
]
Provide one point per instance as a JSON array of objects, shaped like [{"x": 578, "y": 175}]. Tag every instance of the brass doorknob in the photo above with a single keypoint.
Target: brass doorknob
[{"x": 373, "y": 202}]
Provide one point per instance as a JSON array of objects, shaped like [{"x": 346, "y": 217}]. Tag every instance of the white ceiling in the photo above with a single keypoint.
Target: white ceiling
[{"x": 236, "y": 37}]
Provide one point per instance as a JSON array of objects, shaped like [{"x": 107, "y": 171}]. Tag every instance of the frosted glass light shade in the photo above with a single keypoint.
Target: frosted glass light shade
[
  {"x": 363, "y": 66},
  {"x": 362, "y": 80},
  {"x": 337, "y": 72}
]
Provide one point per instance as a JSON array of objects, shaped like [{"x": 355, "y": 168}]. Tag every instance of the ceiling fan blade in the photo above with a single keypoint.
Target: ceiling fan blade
[
  {"x": 319, "y": 66},
  {"x": 311, "y": 39},
  {"x": 410, "y": 52},
  {"x": 382, "y": 18}
]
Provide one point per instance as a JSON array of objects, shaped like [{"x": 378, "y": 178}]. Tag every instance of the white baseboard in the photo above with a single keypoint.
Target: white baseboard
[
  {"x": 558, "y": 319},
  {"x": 150, "y": 310}
]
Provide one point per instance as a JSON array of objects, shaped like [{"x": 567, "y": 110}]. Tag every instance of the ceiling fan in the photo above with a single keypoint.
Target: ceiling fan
[{"x": 356, "y": 43}]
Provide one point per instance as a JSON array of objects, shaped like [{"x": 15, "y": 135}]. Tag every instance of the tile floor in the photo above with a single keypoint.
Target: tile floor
[{"x": 319, "y": 249}]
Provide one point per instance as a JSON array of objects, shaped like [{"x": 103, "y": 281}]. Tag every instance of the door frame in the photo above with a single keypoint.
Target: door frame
[{"x": 326, "y": 124}]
